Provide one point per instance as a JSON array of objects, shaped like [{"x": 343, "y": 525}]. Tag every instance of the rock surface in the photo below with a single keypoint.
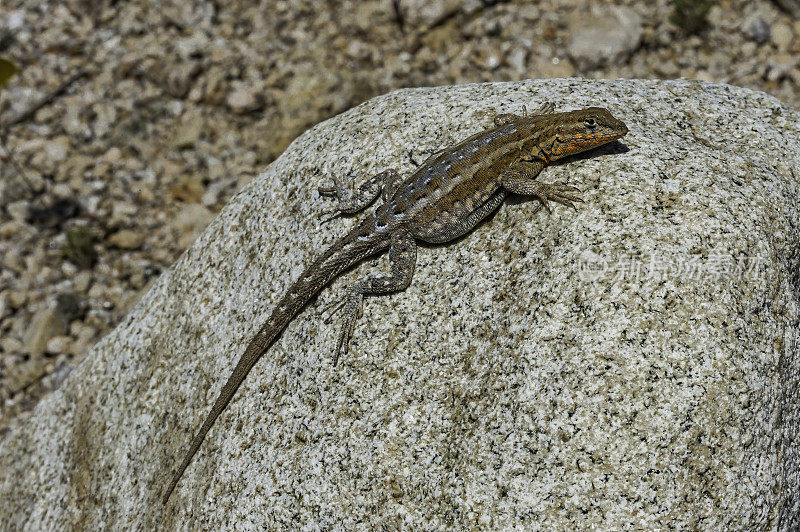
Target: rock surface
[
  {"x": 632, "y": 364},
  {"x": 182, "y": 105}
]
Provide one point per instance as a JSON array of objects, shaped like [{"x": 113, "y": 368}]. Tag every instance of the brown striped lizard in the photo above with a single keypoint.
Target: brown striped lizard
[{"x": 448, "y": 195}]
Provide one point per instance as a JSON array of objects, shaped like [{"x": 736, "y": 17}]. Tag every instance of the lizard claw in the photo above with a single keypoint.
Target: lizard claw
[
  {"x": 545, "y": 203},
  {"x": 332, "y": 308},
  {"x": 336, "y": 191},
  {"x": 330, "y": 215}
]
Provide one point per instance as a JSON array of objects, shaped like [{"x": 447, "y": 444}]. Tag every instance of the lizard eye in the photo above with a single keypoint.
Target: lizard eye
[{"x": 591, "y": 123}]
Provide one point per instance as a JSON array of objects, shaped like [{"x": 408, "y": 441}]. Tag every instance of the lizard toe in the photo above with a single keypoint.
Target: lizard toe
[{"x": 543, "y": 198}]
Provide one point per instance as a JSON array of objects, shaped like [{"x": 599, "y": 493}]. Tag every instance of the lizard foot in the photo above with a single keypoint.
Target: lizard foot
[
  {"x": 340, "y": 193},
  {"x": 348, "y": 202},
  {"x": 352, "y": 304},
  {"x": 557, "y": 192}
]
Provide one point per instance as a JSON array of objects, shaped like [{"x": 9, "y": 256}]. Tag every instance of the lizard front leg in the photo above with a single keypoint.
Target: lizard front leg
[
  {"x": 520, "y": 178},
  {"x": 354, "y": 202},
  {"x": 402, "y": 259}
]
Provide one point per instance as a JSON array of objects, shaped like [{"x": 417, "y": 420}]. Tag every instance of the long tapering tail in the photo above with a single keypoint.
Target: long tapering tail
[{"x": 345, "y": 253}]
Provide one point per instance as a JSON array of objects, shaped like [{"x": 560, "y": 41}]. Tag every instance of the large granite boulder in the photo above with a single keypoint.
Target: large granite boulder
[{"x": 632, "y": 364}]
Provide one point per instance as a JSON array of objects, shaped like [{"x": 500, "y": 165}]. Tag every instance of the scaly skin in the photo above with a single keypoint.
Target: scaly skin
[{"x": 448, "y": 195}]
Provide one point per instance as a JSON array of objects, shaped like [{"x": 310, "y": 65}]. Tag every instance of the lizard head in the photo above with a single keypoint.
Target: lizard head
[{"x": 577, "y": 131}]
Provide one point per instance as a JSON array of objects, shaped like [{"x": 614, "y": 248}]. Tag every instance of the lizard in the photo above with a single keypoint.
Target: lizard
[{"x": 443, "y": 199}]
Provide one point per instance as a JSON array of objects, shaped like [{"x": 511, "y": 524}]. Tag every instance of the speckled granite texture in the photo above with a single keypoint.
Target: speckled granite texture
[{"x": 631, "y": 364}]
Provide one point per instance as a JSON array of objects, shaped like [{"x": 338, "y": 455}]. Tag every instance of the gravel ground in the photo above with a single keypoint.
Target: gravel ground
[{"x": 160, "y": 111}]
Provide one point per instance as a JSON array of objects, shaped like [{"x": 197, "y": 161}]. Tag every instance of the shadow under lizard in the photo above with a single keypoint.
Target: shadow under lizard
[{"x": 446, "y": 197}]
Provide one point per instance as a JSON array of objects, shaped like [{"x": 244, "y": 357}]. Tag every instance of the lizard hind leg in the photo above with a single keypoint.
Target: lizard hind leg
[
  {"x": 354, "y": 202},
  {"x": 402, "y": 259}
]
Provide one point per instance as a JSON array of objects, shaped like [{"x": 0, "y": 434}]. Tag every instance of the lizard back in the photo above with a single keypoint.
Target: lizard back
[{"x": 453, "y": 186}]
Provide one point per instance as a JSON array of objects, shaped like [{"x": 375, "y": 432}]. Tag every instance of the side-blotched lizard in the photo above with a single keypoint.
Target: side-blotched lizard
[{"x": 444, "y": 198}]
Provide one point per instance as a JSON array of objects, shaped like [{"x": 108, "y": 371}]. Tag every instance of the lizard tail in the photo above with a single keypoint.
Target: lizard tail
[{"x": 347, "y": 252}]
